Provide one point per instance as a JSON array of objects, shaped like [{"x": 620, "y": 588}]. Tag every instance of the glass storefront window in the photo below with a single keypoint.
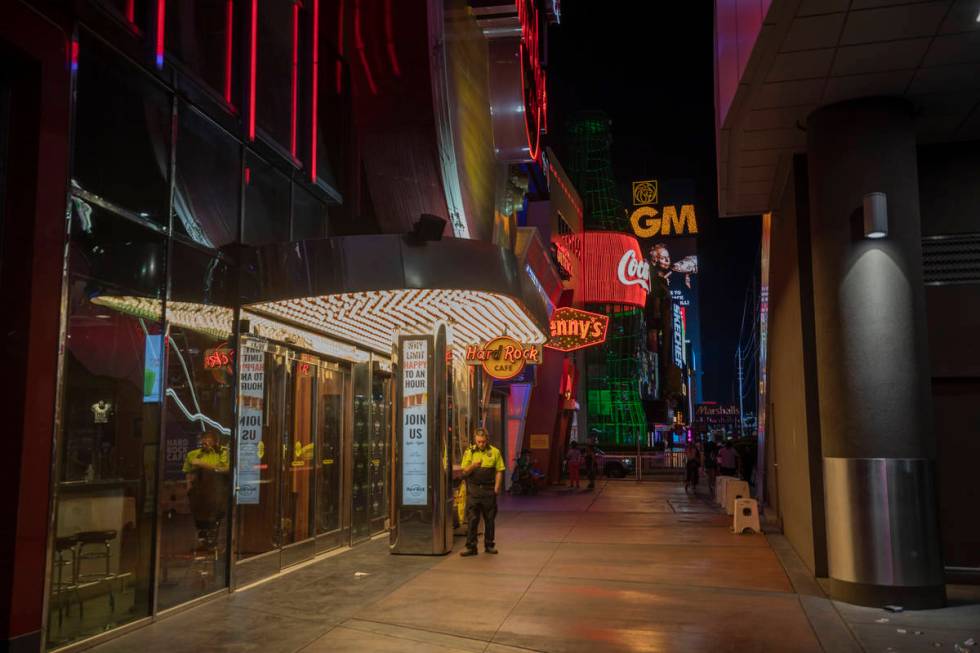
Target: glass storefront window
[
  {"x": 107, "y": 464},
  {"x": 130, "y": 11},
  {"x": 209, "y": 177},
  {"x": 361, "y": 460},
  {"x": 275, "y": 96},
  {"x": 198, "y": 34},
  {"x": 331, "y": 419},
  {"x": 267, "y": 203},
  {"x": 309, "y": 215},
  {"x": 381, "y": 409},
  {"x": 195, "y": 487},
  {"x": 122, "y": 134}
]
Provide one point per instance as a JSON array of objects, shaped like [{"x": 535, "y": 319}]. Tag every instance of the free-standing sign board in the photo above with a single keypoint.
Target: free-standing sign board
[
  {"x": 414, "y": 373},
  {"x": 423, "y": 485},
  {"x": 251, "y": 395}
]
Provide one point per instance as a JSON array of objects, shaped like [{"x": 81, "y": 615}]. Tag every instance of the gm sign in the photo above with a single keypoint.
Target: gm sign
[{"x": 647, "y": 222}]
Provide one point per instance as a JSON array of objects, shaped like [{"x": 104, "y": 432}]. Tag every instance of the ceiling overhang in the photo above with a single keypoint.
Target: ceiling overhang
[{"x": 810, "y": 54}]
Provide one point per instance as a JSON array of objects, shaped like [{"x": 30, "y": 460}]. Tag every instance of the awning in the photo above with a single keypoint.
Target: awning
[{"x": 367, "y": 289}]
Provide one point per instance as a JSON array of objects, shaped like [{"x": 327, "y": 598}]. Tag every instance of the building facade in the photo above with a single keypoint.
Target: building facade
[
  {"x": 218, "y": 217},
  {"x": 854, "y": 128}
]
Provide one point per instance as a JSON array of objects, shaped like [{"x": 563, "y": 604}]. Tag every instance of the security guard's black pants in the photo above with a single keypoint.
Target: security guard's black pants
[{"x": 475, "y": 508}]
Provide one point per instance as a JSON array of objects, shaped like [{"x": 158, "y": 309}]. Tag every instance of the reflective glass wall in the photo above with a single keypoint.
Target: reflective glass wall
[{"x": 162, "y": 192}]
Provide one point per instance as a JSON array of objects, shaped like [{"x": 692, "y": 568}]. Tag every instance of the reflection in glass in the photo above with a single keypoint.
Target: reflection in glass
[
  {"x": 361, "y": 460},
  {"x": 208, "y": 188},
  {"x": 107, "y": 461},
  {"x": 309, "y": 215},
  {"x": 266, "y": 203},
  {"x": 258, "y": 511},
  {"x": 332, "y": 404},
  {"x": 274, "y": 92},
  {"x": 381, "y": 406},
  {"x": 197, "y": 32},
  {"x": 297, "y": 522},
  {"x": 196, "y": 483},
  {"x": 122, "y": 146}
]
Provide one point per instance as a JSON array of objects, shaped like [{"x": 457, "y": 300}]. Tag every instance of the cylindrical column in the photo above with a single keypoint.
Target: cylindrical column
[{"x": 872, "y": 358}]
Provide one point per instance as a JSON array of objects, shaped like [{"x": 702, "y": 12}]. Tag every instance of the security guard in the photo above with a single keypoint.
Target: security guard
[{"x": 483, "y": 467}]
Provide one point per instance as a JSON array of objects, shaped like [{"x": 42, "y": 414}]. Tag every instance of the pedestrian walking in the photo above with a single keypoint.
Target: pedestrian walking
[
  {"x": 693, "y": 467},
  {"x": 483, "y": 467},
  {"x": 710, "y": 461},
  {"x": 591, "y": 464},
  {"x": 574, "y": 460},
  {"x": 728, "y": 459}
]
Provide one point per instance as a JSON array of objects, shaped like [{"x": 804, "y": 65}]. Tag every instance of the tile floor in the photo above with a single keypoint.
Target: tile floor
[{"x": 627, "y": 568}]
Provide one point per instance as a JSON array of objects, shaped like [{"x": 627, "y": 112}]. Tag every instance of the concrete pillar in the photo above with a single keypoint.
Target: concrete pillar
[{"x": 872, "y": 358}]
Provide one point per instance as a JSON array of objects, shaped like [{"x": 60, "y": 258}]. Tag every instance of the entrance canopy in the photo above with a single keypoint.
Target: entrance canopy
[{"x": 367, "y": 289}]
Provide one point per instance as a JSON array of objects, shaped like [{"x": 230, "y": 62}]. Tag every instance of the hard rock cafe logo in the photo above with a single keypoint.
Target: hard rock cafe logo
[
  {"x": 633, "y": 271},
  {"x": 503, "y": 358}
]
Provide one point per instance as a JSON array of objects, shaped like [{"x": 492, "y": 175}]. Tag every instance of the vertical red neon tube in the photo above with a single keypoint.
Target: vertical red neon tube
[
  {"x": 340, "y": 46},
  {"x": 131, "y": 11},
  {"x": 294, "y": 89},
  {"x": 230, "y": 27},
  {"x": 314, "y": 118},
  {"x": 74, "y": 55},
  {"x": 252, "y": 61},
  {"x": 161, "y": 26}
]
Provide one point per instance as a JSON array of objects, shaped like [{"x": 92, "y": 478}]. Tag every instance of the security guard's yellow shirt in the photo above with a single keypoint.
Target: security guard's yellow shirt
[
  {"x": 490, "y": 457},
  {"x": 218, "y": 459}
]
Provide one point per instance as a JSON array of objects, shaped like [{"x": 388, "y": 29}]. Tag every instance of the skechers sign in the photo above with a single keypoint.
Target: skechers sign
[{"x": 573, "y": 329}]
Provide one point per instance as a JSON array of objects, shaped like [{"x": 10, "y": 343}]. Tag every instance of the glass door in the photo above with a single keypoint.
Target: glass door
[
  {"x": 380, "y": 446},
  {"x": 360, "y": 519},
  {"x": 298, "y": 470},
  {"x": 262, "y": 403},
  {"x": 333, "y": 390}
]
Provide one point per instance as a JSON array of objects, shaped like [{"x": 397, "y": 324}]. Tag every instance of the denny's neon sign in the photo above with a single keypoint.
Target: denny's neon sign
[
  {"x": 573, "y": 329},
  {"x": 503, "y": 358}
]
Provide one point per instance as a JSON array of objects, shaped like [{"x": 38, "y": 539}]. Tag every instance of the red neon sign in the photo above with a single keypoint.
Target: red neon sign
[
  {"x": 218, "y": 358},
  {"x": 314, "y": 118},
  {"x": 608, "y": 267},
  {"x": 252, "y": 66},
  {"x": 229, "y": 42},
  {"x": 573, "y": 329},
  {"x": 534, "y": 86},
  {"x": 161, "y": 27}
]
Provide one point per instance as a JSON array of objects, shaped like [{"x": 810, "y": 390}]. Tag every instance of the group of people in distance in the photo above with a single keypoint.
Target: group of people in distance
[{"x": 716, "y": 458}]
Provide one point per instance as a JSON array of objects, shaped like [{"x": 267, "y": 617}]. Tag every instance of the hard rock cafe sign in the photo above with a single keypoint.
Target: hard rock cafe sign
[
  {"x": 573, "y": 329},
  {"x": 534, "y": 87},
  {"x": 503, "y": 358}
]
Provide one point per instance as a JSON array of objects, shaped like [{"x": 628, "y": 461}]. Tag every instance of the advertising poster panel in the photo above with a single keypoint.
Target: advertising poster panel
[
  {"x": 415, "y": 429},
  {"x": 250, "y": 417}
]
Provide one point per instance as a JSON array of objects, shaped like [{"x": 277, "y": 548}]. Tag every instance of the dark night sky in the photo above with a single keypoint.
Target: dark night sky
[{"x": 648, "y": 65}]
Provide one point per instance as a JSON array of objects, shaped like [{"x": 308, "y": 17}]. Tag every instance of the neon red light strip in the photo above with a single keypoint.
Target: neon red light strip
[
  {"x": 314, "y": 117},
  {"x": 131, "y": 11},
  {"x": 359, "y": 45},
  {"x": 161, "y": 26},
  {"x": 340, "y": 46},
  {"x": 252, "y": 60},
  {"x": 230, "y": 27},
  {"x": 390, "y": 38},
  {"x": 295, "y": 87}
]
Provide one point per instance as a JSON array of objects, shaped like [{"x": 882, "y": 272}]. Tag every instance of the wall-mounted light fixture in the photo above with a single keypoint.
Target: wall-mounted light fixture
[{"x": 875, "y": 215}]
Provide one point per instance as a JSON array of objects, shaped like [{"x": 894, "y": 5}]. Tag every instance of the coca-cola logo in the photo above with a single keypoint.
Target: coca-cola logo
[{"x": 633, "y": 271}]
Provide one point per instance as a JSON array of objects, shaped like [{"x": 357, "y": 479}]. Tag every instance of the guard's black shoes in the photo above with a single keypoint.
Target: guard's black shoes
[
  {"x": 490, "y": 549},
  {"x": 468, "y": 552}
]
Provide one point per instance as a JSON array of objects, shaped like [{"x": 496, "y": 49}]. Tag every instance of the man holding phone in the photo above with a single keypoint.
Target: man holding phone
[{"x": 483, "y": 467}]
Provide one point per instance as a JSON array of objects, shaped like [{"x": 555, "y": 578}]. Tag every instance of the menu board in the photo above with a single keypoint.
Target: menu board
[
  {"x": 415, "y": 428},
  {"x": 250, "y": 447}
]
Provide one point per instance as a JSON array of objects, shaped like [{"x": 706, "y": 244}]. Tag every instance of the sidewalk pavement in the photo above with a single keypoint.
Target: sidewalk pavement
[{"x": 639, "y": 567}]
